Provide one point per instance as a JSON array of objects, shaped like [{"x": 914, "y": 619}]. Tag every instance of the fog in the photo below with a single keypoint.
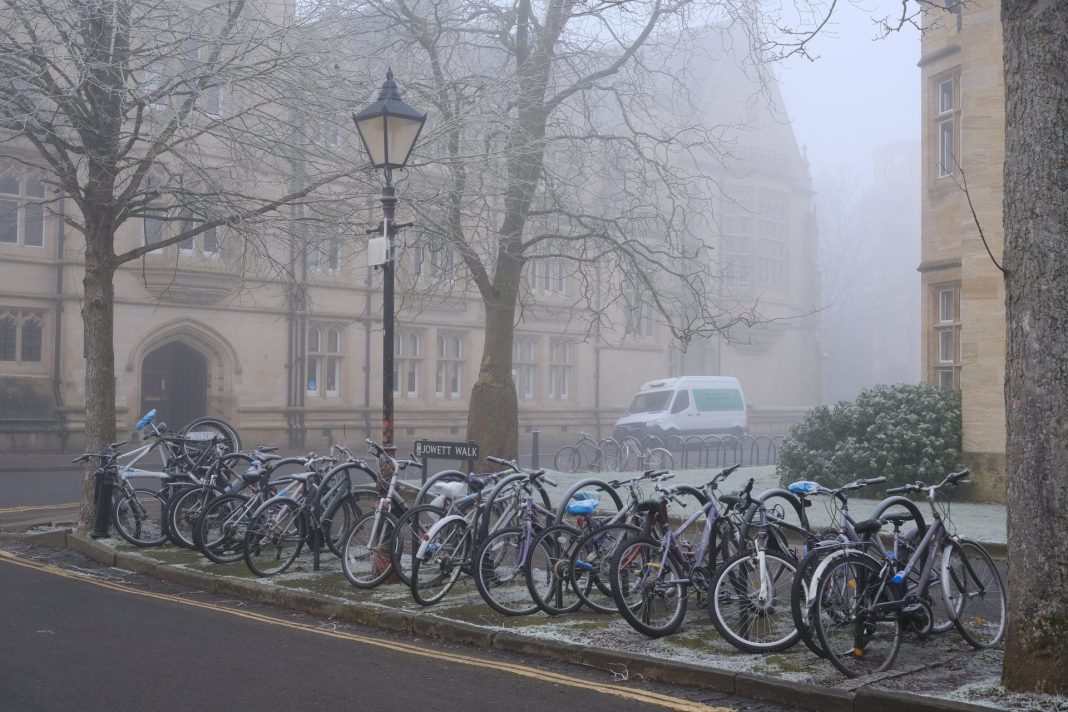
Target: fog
[{"x": 855, "y": 110}]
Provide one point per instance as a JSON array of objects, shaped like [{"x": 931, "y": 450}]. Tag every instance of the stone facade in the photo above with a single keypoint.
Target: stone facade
[
  {"x": 202, "y": 331},
  {"x": 963, "y": 296}
]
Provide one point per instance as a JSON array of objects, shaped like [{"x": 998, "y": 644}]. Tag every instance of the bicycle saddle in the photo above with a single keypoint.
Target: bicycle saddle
[
  {"x": 896, "y": 519},
  {"x": 868, "y": 526},
  {"x": 650, "y": 505},
  {"x": 477, "y": 482},
  {"x": 730, "y": 500}
]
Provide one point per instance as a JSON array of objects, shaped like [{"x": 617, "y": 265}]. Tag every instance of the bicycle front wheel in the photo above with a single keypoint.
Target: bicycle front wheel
[
  {"x": 139, "y": 517},
  {"x": 750, "y": 603},
  {"x": 499, "y": 573},
  {"x": 365, "y": 550},
  {"x": 589, "y": 561},
  {"x": 446, "y": 553},
  {"x": 548, "y": 573},
  {"x": 974, "y": 593},
  {"x": 185, "y": 510},
  {"x": 408, "y": 535},
  {"x": 220, "y": 533},
  {"x": 854, "y": 616},
  {"x": 275, "y": 537},
  {"x": 567, "y": 459},
  {"x": 649, "y": 588}
]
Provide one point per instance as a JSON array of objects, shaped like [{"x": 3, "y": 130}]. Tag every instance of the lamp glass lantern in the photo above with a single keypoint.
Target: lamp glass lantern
[{"x": 389, "y": 127}]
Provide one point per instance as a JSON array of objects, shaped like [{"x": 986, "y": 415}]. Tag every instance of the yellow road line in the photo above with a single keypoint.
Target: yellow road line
[
  {"x": 653, "y": 698},
  {"x": 36, "y": 507}
]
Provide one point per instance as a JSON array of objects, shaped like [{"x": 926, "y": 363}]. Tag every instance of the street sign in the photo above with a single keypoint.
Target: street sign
[{"x": 446, "y": 450}]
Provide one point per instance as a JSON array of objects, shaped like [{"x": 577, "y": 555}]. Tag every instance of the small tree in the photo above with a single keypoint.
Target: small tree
[{"x": 904, "y": 433}]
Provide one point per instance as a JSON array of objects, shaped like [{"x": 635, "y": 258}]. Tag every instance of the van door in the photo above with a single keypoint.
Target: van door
[{"x": 682, "y": 415}]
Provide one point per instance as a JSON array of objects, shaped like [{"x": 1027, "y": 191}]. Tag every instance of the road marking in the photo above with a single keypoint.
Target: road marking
[
  {"x": 38, "y": 507},
  {"x": 645, "y": 696}
]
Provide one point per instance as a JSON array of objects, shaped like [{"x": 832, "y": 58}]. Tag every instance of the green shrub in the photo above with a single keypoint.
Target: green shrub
[{"x": 903, "y": 432}]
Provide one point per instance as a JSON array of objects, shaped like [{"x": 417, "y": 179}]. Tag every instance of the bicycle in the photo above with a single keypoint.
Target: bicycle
[
  {"x": 870, "y": 599},
  {"x": 845, "y": 536},
  {"x": 651, "y": 577},
  {"x": 634, "y": 455},
  {"x": 281, "y": 527},
  {"x": 136, "y": 513},
  {"x": 600, "y": 455},
  {"x": 365, "y": 547},
  {"x": 502, "y": 562},
  {"x": 449, "y": 547}
]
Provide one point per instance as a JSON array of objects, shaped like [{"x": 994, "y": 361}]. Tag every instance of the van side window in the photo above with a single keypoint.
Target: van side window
[{"x": 682, "y": 402}]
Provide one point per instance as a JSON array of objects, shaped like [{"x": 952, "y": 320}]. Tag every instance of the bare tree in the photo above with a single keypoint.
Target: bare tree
[
  {"x": 567, "y": 145},
  {"x": 1036, "y": 305},
  {"x": 181, "y": 117}
]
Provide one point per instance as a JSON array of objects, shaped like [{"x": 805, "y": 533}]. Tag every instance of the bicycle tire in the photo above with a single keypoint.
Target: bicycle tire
[
  {"x": 640, "y": 593},
  {"x": 184, "y": 511},
  {"x": 139, "y": 517},
  {"x": 444, "y": 560},
  {"x": 411, "y": 526},
  {"x": 500, "y": 575},
  {"x": 275, "y": 537},
  {"x": 855, "y": 642},
  {"x": 759, "y": 626},
  {"x": 799, "y": 590},
  {"x": 659, "y": 459},
  {"x": 973, "y": 612},
  {"x": 365, "y": 552},
  {"x": 547, "y": 571},
  {"x": 230, "y": 441},
  {"x": 591, "y": 558},
  {"x": 220, "y": 533},
  {"x": 567, "y": 459}
]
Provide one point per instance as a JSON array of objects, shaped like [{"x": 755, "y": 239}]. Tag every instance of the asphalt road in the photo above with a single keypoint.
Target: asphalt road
[{"x": 73, "y": 644}]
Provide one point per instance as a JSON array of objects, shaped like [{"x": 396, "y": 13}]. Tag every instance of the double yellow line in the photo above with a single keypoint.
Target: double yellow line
[
  {"x": 38, "y": 507},
  {"x": 636, "y": 695}
]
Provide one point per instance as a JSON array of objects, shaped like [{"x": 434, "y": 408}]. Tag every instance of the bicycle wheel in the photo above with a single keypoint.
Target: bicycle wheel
[
  {"x": 659, "y": 459},
  {"x": 648, "y": 587},
  {"x": 365, "y": 551},
  {"x": 342, "y": 511},
  {"x": 589, "y": 560},
  {"x": 858, "y": 639},
  {"x": 547, "y": 571},
  {"x": 973, "y": 590},
  {"x": 799, "y": 590},
  {"x": 567, "y": 459},
  {"x": 275, "y": 537},
  {"x": 411, "y": 527},
  {"x": 220, "y": 533},
  {"x": 139, "y": 517},
  {"x": 185, "y": 510},
  {"x": 499, "y": 573},
  {"x": 750, "y": 603},
  {"x": 197, "y": 437},
  {"x": 446, "y": 553}
]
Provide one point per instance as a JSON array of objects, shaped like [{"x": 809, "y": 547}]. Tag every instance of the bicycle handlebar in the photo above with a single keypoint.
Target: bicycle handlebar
[{"x": 952, "y": 478}]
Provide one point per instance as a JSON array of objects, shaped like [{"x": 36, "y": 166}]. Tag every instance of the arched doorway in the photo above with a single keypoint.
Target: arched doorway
[{"x": 174, "y": 380}]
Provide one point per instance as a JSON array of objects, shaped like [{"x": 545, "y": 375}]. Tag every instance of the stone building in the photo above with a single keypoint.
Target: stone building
[
  {"x": 963, "y": 295},
  {"x": 297, "y": 360}
]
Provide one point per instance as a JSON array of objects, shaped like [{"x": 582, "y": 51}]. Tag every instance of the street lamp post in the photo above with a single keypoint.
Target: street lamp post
[{"x": 389, "y": 129}]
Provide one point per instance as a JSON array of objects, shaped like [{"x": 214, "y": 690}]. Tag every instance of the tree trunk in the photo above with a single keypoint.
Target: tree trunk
[
  {"x": 98, "y": 316},
  {"x": 1036, "y": 308},
  {"x": 493, "y": 418}
]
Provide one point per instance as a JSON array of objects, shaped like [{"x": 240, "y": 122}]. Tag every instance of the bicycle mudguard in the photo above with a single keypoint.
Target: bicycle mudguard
[
  {"x": 421, "y": 551},
  {"x": 818, "y": 573}
]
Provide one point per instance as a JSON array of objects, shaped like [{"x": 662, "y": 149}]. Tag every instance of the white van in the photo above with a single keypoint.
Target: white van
[{"x": 689, "y": 405}]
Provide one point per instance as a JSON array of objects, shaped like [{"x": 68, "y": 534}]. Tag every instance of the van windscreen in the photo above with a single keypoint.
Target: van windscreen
[
  {"x": 650, "y": 402},
  {"x": 713, "y": 399}
]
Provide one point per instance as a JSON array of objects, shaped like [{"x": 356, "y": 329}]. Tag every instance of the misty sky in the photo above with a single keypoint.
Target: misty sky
[{"x": 861, "y": 93}]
